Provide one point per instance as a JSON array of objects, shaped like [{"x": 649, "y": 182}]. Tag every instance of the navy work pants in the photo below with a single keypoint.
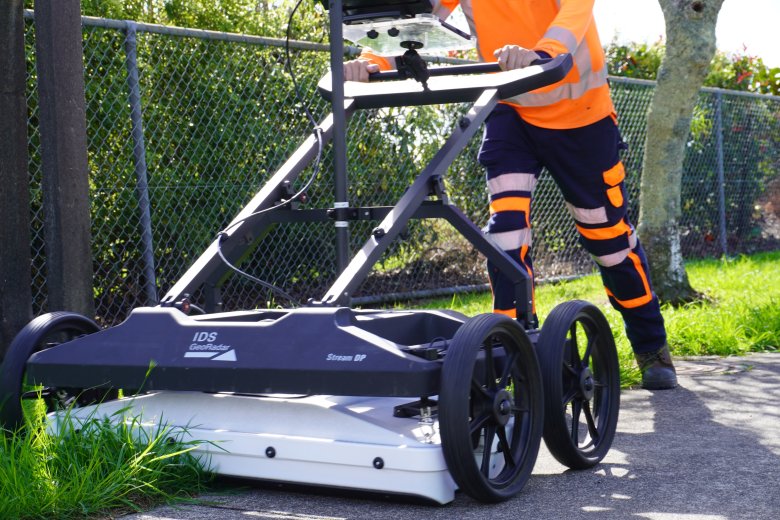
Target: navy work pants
[{"x": 585, "y": 164}]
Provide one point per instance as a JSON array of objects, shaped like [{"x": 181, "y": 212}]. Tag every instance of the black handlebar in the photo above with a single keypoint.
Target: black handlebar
[
  {"x": 468, "y": 88},
  {"x": 452, "y": 70},
  {"x": 475, "y": 68}
]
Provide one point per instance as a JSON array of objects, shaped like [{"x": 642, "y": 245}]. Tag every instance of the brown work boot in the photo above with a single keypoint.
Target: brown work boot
[{"x": 657, "y": 369}]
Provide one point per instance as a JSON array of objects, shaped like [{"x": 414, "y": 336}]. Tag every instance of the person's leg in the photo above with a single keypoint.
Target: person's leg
[
  {"x": 512, "y": 171},
  {"x": 585, "y": 164}
]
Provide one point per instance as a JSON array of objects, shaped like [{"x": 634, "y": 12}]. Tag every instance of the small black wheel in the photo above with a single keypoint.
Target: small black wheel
[
  {"x": 581, "y": 376},
  {"x": 43, "y": 332},
  {"x": 490, "y": 408}
]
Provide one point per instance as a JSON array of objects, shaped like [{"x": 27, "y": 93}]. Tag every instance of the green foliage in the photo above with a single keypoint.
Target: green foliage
[
  {"x": 92, "y": 468},
  {"x": 766, "y": 80},
  {"x": 634, "y": 60},
  {"x": 261, "y": 17},
  {"x": 741, "y": 314},
  {"x": 728, "y": 71},
  {"x": 743, "y": 72}
]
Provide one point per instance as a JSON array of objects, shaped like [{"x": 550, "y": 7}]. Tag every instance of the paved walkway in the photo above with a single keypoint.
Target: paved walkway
[{"x": 709, "y": 449}]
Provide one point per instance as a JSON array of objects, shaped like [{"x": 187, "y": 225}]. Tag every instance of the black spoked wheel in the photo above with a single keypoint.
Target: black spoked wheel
[
  {"x": 581, "y": 377},
  {"x": 41, "y": 333},
  {"x": 490, "y": 408}
]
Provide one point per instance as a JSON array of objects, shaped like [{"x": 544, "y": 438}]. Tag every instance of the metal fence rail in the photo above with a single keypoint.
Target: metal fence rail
[{"x": 185, "y": 125}]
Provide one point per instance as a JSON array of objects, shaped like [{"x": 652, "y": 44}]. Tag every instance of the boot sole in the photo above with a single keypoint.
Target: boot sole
[{"x": 659, "y": 385}]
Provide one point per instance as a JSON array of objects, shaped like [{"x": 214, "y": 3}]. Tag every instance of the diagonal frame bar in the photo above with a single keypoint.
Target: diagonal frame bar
[
  {"x": 242, "y": 230},
  {"x": 391, "y": 226}
]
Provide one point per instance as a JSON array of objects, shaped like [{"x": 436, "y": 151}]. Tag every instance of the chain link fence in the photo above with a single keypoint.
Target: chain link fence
[{"x": 184, "y": 127}]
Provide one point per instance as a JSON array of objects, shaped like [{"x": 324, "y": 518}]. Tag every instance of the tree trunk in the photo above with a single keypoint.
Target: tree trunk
[
  {"x": 690, "y": 46},
  {"x": 15, "y": 277}
]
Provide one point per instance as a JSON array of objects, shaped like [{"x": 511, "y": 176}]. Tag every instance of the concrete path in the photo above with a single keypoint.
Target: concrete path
[{"x": 709, "y": 449}]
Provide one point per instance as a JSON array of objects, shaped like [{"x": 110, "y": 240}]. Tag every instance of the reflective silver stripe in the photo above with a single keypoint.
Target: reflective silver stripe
[
  {"x": 582, "y": 58},
  {"x": 512, "y": 182},
  {"x": 443, "y": 12},
  {"x": 588, "y": 216},
  {"x": 565, "y": 91},
  {"x": 564, "y": 36},
  {"x": 632, "y": 241},
  {"x": 440, "y": 10},
  {"x": 613, "y": 259},
  {"x": 511, "y": 240},
  {"x": 589, "y": 79},
  {"x": 468, "y": 12}
]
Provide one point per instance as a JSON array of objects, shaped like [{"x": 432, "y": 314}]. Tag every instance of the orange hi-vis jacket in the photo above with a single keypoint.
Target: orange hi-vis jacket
[{"x": 554, "y": 27}]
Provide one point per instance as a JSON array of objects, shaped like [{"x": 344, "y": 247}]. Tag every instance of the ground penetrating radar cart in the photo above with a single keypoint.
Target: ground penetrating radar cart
[{"x": 410, "y": 402}]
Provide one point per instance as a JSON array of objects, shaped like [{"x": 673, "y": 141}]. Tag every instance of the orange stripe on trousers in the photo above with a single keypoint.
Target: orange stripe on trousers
[
  {"x": 523, "y": 253},
  {"x": 510, "y": 204},
  {"x": 605, "y": 233},
  {"x": 645, "y": 298}
]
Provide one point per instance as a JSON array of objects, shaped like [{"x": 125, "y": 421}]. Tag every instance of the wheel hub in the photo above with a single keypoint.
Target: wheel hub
[
  {"x": 502, "y": 407},
  {"x": 587, "y": 384}
]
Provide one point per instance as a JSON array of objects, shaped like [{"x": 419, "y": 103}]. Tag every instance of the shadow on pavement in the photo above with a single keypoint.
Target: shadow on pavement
[{"x": 709, "y": 449}]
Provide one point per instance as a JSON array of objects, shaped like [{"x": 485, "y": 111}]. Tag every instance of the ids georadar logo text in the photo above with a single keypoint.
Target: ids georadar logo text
[{"x": 204, "y": 345}]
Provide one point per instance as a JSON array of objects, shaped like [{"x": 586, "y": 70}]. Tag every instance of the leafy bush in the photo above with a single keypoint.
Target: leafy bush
[{"x": 731, "y": 71}]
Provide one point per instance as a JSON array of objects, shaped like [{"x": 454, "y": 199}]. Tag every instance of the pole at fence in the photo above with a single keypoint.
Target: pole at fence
[
  {"x": 139, "y": 161},
  {"x": 340, "y": 171},
  {"x": 64, "y": 164},
  {"x": 15, "y": 281},
  {"x": 721, "y": 175}
]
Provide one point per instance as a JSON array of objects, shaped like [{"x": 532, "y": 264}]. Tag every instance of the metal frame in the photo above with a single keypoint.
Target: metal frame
[
  {"x": 243, "y": 233},
  {"x": 245, "y": 229}
]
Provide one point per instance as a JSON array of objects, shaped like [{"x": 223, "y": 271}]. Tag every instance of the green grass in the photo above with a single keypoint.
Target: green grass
[
  {"x": 92, "y": 468},
  {"x": 741, "y": 314}
]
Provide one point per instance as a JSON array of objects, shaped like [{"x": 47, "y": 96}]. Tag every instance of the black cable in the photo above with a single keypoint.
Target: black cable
[
  {"x": 271, "y": 287},
  {"x": 223, "y": 235}
]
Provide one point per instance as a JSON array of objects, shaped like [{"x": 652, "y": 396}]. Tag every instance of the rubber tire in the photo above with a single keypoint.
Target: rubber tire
[
  {"x": 602, "y": 407},
  {"x": 31, "y": 339},
  {"x": 458, "y": 396}
]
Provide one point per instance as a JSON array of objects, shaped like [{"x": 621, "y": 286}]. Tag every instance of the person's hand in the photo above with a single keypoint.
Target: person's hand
[
  {"x": 512, "y": 57},
  {"x": 358, "y": 70}
]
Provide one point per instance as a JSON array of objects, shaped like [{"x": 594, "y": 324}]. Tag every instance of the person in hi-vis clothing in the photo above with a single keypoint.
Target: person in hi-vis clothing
[{"x": 570, "y": 128}]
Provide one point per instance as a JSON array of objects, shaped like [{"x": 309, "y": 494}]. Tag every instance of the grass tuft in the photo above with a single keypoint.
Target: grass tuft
[{"x": 92, "y": 468}]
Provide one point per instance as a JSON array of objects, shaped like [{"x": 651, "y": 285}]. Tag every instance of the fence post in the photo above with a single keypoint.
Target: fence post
[
  {"x": 15, "y": 277},
  {"x": 64, "y": 162},
  {"x": 139, "y": 163},
  {"x": 721, "y": 175}
]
